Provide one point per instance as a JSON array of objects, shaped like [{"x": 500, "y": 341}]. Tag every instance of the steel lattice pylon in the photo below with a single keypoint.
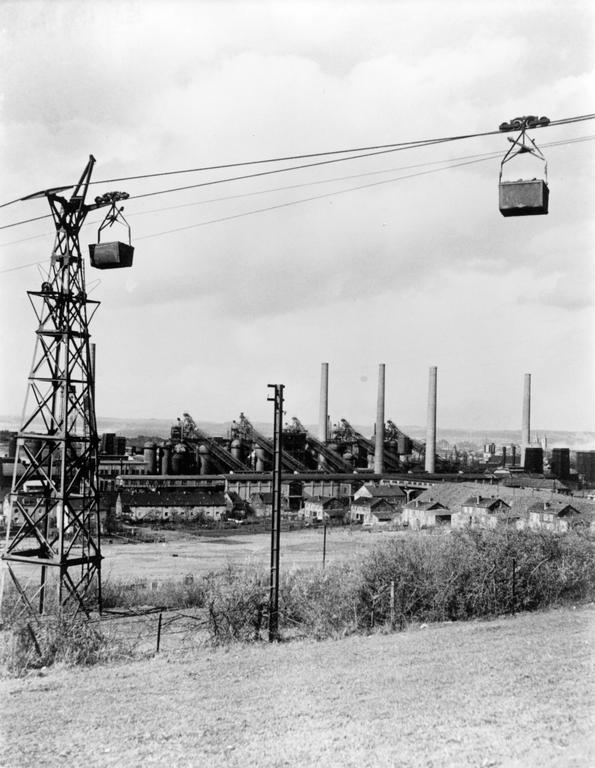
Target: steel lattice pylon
[{"x": 53, "y": 539}]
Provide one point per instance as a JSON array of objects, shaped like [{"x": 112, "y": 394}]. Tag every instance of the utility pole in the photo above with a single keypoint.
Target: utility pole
[
  {"x": 54, "y": 523},
  {"x": 277, "y": 398}
]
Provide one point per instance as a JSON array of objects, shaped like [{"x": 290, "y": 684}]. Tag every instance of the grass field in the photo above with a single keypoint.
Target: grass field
[
  {"x": 182, "y": 555},
  {"x": 512, "y": 692}
]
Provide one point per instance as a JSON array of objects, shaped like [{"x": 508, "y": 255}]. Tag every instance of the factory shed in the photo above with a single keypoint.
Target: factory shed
[
  {"x": 173, "y": 506},
  {"x": 425, "y": 514},
  {"x": 522, "y": 480}
]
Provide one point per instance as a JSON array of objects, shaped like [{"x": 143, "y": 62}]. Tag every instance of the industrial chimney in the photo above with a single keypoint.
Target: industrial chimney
[
  {"x": 526, "y": 425},
  {"x": 323, "y": 413},
  {"x": 379, "y": 444},
  {"x": 431, "y": 422}
]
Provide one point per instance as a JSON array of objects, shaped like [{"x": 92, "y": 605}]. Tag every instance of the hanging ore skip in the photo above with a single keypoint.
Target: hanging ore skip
[
  {"x": 112, "y": 255},
  {"x": 524, "y": 197}
]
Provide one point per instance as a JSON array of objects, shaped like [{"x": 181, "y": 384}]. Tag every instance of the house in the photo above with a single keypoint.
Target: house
[
  {"x": 237, "y": 508},
  {"x": 174, "y": 506},
  {"x": 262, "y": 503},
  {"x": 455, "y": 496},
  {"x": 394, "y": 495},
  {"x": 323, "y": 508},
  {"x": 554, "y": 516},
  {"x": 370, "y": 511},
  {"x": 425, "y": 514},
  {"x": 484, "y": 512}
]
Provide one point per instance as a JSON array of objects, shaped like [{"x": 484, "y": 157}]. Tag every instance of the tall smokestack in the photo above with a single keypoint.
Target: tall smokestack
[
  {"x": 379, "y": 446},
  {"x": 431, "y": 422},
  {"x": 323, "y": 413},
  {"x": 526, "y": 426}
]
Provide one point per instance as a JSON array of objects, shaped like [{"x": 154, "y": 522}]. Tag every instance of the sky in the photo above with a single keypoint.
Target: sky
[{"x": 241, "y": 284}]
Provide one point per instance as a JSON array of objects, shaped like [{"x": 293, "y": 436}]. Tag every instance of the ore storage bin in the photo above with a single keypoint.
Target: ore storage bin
[
  {"x": 111, "y": 255},
  {"x": 523, "y": 198}
]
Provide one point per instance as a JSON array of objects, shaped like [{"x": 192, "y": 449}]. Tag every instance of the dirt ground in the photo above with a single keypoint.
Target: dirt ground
[
  {"x": 516, "y": 692},
  {"x": 184, "y": 555}
]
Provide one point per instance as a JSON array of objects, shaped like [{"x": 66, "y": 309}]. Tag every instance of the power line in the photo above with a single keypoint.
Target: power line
[
  {"x": 229, "y": 179},
  {"x": 486, "y": 155},
  {"x": 288, "y": 187},
  {"x": 265, "y": 173},
  {"x": 466, "y": 160},
  {"x": 26, "y": 221},
  {"x": 309, "y": 199},
  {"x": 272, "y": 207},
  {"x": 395, "y": 146}
]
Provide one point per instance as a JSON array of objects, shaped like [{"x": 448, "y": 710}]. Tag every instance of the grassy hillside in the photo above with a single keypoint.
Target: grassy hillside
[{"x": 509, "y": 692}]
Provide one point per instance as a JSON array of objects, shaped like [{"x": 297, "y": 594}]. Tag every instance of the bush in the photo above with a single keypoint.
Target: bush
[
  {"x": 237, "y": 604},
  {"x": 474, "y": 573},
  {"x": 458, "y": 575},
  {"x": 321, "y": 604},
  {"x": 53, "y": 641},
  {"x": 168, "y": 594}
]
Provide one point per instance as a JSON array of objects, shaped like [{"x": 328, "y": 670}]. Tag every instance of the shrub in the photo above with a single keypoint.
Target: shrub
[
  {"x": 474, "y": 573},
  {"x": 321, "y": 604},
  {"x": 56, "y": 640},
  {"x": 168, "y": 594},
  {"x": 236, "y": 602}
]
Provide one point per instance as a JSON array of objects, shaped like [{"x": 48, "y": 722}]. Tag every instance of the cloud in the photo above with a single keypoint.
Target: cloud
[{"x": 428, "y": 260}]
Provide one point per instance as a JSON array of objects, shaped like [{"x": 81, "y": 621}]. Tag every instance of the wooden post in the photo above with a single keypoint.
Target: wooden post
[
  {"x": 159, "y": 632},
  {"x": 324, "y": 544},
  {"x": 392, "y": 605},
  {"x": 277, "y": 398}
]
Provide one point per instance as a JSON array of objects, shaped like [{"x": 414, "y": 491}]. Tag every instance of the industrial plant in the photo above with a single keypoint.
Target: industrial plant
[{"x": 337, "y": 476}]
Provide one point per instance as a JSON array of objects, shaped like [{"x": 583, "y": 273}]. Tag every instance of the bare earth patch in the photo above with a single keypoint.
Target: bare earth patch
[
  {"x": 197, "y": 555},
  {"x": 509, "y": 692}
]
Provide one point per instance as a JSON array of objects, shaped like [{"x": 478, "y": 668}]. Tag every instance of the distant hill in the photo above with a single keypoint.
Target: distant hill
[{"x": 160, "y": 428}]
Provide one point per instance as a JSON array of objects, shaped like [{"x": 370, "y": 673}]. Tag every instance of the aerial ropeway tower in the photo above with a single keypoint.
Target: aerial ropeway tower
[{"x": 53, "y": 553}]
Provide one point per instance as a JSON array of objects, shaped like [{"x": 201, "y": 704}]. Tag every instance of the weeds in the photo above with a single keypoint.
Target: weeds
[
  {"x": 55, "y": 640},
  {"x": 418, "y": 578},
  {"x": 236, "y": 602},
  {"x": 190, "y": 593}
]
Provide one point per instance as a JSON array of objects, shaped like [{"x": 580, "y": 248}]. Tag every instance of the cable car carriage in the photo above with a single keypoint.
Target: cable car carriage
[
  {"x": 523, "y": 197},
  {"x": 113, "y": 255}
]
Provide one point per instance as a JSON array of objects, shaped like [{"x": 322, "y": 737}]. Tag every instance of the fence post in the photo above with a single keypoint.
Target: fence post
[
  {"x": 392, "y": 605},
  {"x": 513, "y": 586},
  {"x": 159, "y": 632}
]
